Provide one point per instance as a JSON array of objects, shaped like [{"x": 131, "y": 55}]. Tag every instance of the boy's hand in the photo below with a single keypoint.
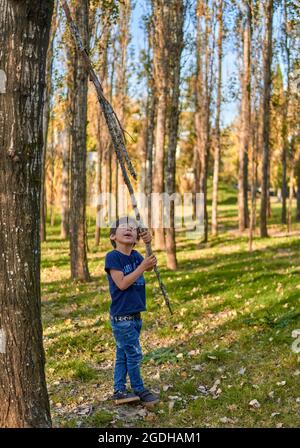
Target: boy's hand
[
  {"x": 146, "y": 236},
  {"x": 149, "y": 262}
]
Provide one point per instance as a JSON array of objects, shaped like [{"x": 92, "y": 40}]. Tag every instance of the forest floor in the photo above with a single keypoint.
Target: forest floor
[{"x": 224, "y": 359}]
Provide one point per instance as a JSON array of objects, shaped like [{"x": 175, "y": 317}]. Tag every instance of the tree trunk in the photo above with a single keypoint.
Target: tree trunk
[
  {"x": 150, "y": 125},
  {"x": 246, "y": 118},
  {"x": 214, "y": 219},
  {"x": 52, "y": 156},
  {"x": 196, "y": 173},
  {"x": 65, "y": 182},
  {"x": 46, "y": 117},
  {"x": 102, "y": 134},
  {"x": 175, "y": 45},
  {"x": 121, "y": 90},
  {"x": 203, "y": 87},
  {"x": 267, "y": 62},
  {"x": 255, "y": 136},
  {"x": 160, "y": 19},
  {"x": 298, "y": 190},
  {"x": 79, "y": 265},
  {"x": 149, "y": 151},
  {"x": 291, "y": 186},
  {"x": 24, "y": 34},
  {"x": 285, "y": 115}
]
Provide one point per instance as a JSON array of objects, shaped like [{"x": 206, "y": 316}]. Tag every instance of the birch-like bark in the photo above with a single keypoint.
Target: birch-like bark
[
  {"x": 246, "y": 122},
  {"x": 79, "y": 264},
  {"x": 267, "y": 63},
  {"x": 285, "y": 124},
  {"x": 217, "y": 154},
  {"x": 102, "y": 135},
  {"x": 160, "y": 63}
]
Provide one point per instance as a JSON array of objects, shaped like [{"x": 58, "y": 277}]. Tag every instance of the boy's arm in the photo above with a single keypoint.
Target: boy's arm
[{"x": 124, "y": 281}]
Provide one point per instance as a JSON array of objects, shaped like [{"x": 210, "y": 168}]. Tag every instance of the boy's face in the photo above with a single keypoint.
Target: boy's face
[{"x": 126, "y": 234}]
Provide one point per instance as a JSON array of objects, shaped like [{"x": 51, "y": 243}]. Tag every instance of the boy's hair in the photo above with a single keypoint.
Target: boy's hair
[{"x": 116, "y": 224}]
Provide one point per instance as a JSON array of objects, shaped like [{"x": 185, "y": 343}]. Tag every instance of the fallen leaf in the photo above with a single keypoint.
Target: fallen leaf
[
  {"x": 226, "y": 420},
  {"x": 142, "y": 412},
  {"x": 214, "y": 388},
  {"x": 232, "y": 407},
  {"x": 254, "y": 403},
  {"x": 203, "y": 389},
  {"x": 171, "y": 405},
  {"x": 198, "y": 367}
]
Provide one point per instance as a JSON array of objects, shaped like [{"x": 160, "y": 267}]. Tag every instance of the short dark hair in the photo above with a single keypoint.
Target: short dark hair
[{"x": 116, "y": 224}]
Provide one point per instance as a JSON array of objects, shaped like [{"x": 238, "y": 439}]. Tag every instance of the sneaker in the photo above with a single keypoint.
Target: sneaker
[
  {"x": 121, "y": 397},
  {"x": 147, "y": 398}
]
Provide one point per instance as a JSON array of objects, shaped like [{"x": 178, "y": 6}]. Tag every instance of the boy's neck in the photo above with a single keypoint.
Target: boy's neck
[{"x": 124, "y": 248}]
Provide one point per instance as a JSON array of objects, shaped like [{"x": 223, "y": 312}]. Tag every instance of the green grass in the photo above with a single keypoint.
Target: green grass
[{"x": 234, "y": 313}]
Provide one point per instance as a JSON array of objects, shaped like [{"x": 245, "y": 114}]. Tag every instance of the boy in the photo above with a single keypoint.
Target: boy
[{"x": 125, "y": 267}]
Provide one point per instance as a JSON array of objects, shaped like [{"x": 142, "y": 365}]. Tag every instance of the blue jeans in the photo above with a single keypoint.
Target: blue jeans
[{"x": 128, "y": 354}]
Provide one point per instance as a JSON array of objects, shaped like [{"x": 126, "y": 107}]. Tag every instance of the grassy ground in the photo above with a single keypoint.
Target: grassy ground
[{"x": 227, "y": 344}]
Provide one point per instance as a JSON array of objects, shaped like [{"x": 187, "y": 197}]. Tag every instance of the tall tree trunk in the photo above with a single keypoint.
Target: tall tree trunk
[
  {"x": 267, "y": 63},
  {"x": 196, "y": 175},
  {"x": 291, "y": 186},
  {"x": 67, "y": 144},
  {"x": 52, "y": 156},
  {"x": 24, "y": 34},
  {"x": 65, "y": 182},
  {"x": 297, "y": 167},
  {"x": 175, "y": 46},
  {"x": 111, "y": 156},
  {"x": 217, "y": 154},
  {"x": 46, "y": 117},
  {"x": 285, "y": 115},
  {"x": 149, "y": 150},
  {"x": 203, "y": 87},
  {"x": 121, "y": 90},
  {"x": 246, "y": 118},
  {"x": 79, "y": 265},
  {"x": 254, "y": 145},
  {"x": 102, "y": 135},
  {"x": 149, "y": 125},
  {"x": 160, "y": 18}
]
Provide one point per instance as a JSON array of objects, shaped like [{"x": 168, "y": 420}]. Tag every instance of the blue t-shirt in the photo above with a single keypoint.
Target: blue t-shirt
[{"x": 133, "y": 299}]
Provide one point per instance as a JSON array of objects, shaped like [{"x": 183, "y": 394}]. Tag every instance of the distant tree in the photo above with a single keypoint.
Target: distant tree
[
  {"x": 205, "y": 46},
  {"x": 79, "y": 264},
  {"x": 217, "y": 152},
  {"x": 175, "y": 47},
  {"x": 123, "y": 38},
  {"x": 267, "y": 63},
  {"x": 160, "y": 25},
  {"x": 46, "y": 117},
  {"x": 245, "y": 117}
]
